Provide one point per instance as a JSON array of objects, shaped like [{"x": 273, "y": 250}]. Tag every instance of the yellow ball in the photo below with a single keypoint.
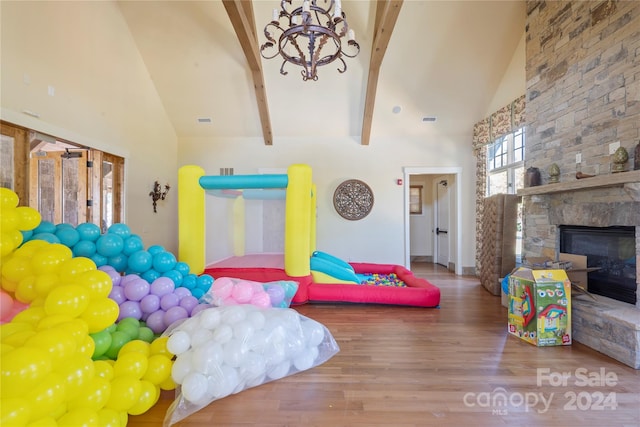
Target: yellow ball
[
  {"x": 94, "y": 396},
  {"x": 67, "y": 299},
  {"x": 103, "y": 369},
  {"x": 74, "y": 267},
  {"x": 136, "y": 346},
  {"x": 15, "y": 269},
  {"x": 110, "y": 418},
  {"x": 8, "y": 198},
  {"x": 159, "y": 346},
  {"x": 22, "y": 369},
  {"x": 131, "y": 364},
  {"x": 14, "y": 412},
  {"x": 97, "y": 282},
  {"x": 28, "y": 218},
  {"x": 77, "y": 417},
  {"x": 100, "y": 314},
  {"x": 50, "y": 258},
  {"x": 158, "y": 369},
  {"x": 77, "y": 372},
  {"x": 149, "y": 395},
  {"x": 125, "y": 392},
  {"x": 26, "y": 290}
]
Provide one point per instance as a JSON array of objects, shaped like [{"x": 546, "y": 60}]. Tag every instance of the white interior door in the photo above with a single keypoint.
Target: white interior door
[{"x": 442, "y": 222}]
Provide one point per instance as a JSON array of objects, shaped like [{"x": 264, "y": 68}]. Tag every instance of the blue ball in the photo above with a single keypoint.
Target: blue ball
[
  {"x": 197, "y": 292},
  {"x": 140, "y": 261},
  {"x": 163, "y": 261},
  {"x": 99, "y": 260},
  {"x": 120, "y": 229},
  {"x": 182, "y": 267},
  {"x": 84, "y": 248},
  {"x": 175, "y": 276},
  {"x": 155, "y": 249},
  {"x": 45, "y": 227},
  {"x": 204, "y": 282},
  {"x": 150, "y": 275},
  {"x": 132, "y": 244},
  {"x": 109, "y": 245},
  {"x": 68, "y": 235},
  {"x": 88, "y": 231},
  {"x": 119, "y": 262},
  {"x": 189, "y": 281},
  {"x": 47, "y": 237}
]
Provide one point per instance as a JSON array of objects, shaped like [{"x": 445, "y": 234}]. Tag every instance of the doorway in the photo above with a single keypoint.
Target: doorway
[{"x": 452, "y": 237}]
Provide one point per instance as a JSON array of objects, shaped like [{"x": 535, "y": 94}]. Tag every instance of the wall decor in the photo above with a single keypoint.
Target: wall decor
[{"x": 353, "y": 199}]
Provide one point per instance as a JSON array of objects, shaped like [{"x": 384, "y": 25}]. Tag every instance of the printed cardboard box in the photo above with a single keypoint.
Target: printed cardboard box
[{"x": 540, "y": 306}]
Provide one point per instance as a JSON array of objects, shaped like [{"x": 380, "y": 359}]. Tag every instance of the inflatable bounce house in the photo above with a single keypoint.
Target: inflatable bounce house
[{"x": 321, "y": 277}]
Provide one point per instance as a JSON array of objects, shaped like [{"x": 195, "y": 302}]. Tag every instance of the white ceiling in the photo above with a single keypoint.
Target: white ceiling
[{"x": 444, "y": 59}]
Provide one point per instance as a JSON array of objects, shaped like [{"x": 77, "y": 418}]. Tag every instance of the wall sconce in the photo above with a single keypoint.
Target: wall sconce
[{"x": 158, "y": 194}]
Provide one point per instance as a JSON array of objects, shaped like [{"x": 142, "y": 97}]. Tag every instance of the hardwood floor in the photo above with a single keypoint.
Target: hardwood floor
[{"x": 404, "y": 366}]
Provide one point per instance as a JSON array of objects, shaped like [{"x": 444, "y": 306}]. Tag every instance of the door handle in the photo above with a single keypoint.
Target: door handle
[{"x": 438, "y": 231}]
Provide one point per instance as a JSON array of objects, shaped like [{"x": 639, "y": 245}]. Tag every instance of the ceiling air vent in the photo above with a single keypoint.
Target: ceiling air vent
[
  {"x": 429, "y": 119},
  {"x": 204, "y": 120}
]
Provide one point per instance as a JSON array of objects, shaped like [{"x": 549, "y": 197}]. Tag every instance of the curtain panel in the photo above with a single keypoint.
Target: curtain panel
[{"x": 502, "y": 122}]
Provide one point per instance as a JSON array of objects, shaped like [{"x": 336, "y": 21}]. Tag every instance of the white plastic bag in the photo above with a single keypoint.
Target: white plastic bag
[{"x": 225, "y": 350}]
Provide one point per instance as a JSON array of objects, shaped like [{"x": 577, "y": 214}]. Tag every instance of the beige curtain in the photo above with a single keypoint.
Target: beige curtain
[{"x": 504, "y": 121}]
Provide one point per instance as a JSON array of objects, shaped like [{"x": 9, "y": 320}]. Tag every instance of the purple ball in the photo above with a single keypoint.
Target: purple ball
[
  {"x": 136, "y": 289},
  {"x": 128, "y": 278},
  {"x": 113, "y": 274},
  {"x": 276, "y": 294},
  {"x": 130, "y": 309},
  {"x": 188, "y": 303},
  {"x": 162, "y": 286},
  {"x": 182, "y": 292},
  {"x": 117, "y": 294},
  {"x": 174, "y": 314},
  {"x": 150, "y": 303},
  {"x": 155, "y": 322},
  {"x": 168, "y": 301},
  {"x": 198, "y": 308}
]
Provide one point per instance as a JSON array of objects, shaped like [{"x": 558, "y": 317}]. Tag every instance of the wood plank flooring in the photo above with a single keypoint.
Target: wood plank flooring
[{"x": 452, "y": 366}]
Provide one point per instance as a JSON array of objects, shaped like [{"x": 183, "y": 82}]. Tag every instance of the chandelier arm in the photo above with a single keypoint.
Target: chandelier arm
[
  {"x": 344, "y": 66},
  {"x": 271, "y": 42},
  {"x": 352, "y": 43}
]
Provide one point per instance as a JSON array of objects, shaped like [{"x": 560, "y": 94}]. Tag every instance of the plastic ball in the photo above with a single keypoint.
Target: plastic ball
[
  {"x": 132, "y": 364},
  {"x": 179, "y": 342},
  {"x": 102, "y": 342},
  {"x": 145, "y": 334},
  {"x": 276, "y": 294},
  {"x": 155, "y": 249},
  {"x": 205, "y": 282},
  {"x": 120, "y": 229},
  {"x": 100, "y": 313},
  {"x": 158, "y": 369},
  {"x": 125, "y": 392},
  {"x": 67, "y": 299},
  {"x": 162, "y": 286},
  {"x": 74, "y": 267},
  {"x": 149, "y": 395},
  {"x": 174, "y": 314},
  {"x": 117, "y": 294},
  {"x": 155, "y": 321},
  {"x": 119, "y": 262},
  {"x": 130, "y": 309},
  {"x": 175, "y": 277},
  {"x": 189, "y": 281},
  {"x": 22, "y": 369},
  {"x": 189, "y": 303},
  {"x": 118, "y": 339},
  {"x": 198, "y": 293},
  {"x": 182, "y": 267},
  {"x": 97, "y": 282},
  {"x": 8, "y": 198},
  {"x": 84, "y": 248},
  {"x": 47, "y": 237},
  {"x": 28, "y": 218},
  {"x": 140, "y": 261},
  {"x": 94, "y": 396},
  {"x": 109, "y": 245},
  {"x": 99, "y": 260},
  {"x": 132, "y": 244},
  {"x": 137, "y": 289},
  {"x": 150, "y": 303},
  {"x": 150, "y": 275},
  {"x": 163, "y": 261},
  {"x": 45, "y": 227},
  {"x": 68, "y": 236},
  {"x": 88, "y": 231},
  {"x": 168, "y": 301}
]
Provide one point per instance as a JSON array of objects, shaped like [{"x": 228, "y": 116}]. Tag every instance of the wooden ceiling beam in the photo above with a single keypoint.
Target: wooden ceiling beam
[
  {"x": 242, "y": 18},
  {"x": 387, "y": 12}
]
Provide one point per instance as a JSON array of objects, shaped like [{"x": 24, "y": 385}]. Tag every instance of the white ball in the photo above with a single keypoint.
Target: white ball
[
  {"x": 223, "y": 333},
  {"x": 304, "y": 360},
  {"x": 279, "y": 371},
  {"x": 194, "y": 387},
  {"x": 207, "y": 358},
  {"x": 257, "y": 319},
  {"x": 234, "y": 353},
  {"x": 313, "y": 332},
  {"x": 200, "y": 337},
  {"x": 178, "y": 342},
  {"x": 181, "y": 367},
  {"x": 210, "y": 318},
  {"x": 243, "y": 330},
  {"x": 234, "y": 314}
]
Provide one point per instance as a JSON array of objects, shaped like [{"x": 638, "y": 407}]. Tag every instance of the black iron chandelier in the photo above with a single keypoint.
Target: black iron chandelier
[{"x": 310, "y": 36}]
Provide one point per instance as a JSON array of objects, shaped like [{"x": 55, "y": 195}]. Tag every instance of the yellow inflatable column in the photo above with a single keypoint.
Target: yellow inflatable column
[
  {"x": 313, "y": 216},
  {"x": 238, "y": 226},
  {"x": 191, "y": 215},
  {"x": 297, "y": 229}
]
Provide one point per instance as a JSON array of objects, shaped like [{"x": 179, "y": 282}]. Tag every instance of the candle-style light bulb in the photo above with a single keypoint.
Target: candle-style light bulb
[
  {"x": 306, "y": 7},
  {"x": 351, "y": 35},
  {"x": 275, "y": 15}
]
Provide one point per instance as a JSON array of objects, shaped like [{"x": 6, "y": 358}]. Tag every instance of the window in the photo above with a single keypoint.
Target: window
[
  {"x": 415, "y": 199},
  {"x": 505, "y": 164}
]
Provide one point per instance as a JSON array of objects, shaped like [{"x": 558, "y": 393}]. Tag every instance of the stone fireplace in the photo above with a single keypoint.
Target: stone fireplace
[{"x": 582, "y": 102}]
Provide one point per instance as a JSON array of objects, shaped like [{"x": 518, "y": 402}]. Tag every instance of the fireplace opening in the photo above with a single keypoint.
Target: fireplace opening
[{"x": 612, "y": 250}]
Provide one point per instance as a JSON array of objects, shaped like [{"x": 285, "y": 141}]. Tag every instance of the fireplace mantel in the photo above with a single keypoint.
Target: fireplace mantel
[{"x": 629, "y": 179}]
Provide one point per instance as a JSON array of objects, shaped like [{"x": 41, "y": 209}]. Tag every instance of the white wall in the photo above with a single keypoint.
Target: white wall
[
  {"x": 514, "y": 81},
  {"x": 103, "y": 97}
]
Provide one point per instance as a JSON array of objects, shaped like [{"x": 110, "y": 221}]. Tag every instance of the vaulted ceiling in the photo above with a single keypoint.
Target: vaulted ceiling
[{"x": 442, "y": 59}]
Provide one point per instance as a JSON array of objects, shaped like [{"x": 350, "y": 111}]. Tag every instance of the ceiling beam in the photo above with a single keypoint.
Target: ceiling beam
[
  {"x": 387, "y": 12},
  {"x": 242, "y": 18}
]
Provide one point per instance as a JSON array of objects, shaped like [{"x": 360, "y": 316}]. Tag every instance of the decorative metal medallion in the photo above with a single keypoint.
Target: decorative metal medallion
[{"x": 353, "y": 199}]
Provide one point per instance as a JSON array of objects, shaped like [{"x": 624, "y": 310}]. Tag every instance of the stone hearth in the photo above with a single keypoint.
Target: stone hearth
[{"x": 606, "y": 325}]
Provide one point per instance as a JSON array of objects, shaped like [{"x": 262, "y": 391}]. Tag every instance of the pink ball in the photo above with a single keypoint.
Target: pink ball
[
  {"x": 222, "y": 287},
  {"x": 6, "y": 305},
  {"x": 261, "y": 299},
  {"x": 174, "y": 314},
  {"x": 169, "y": 300},
  {"x": 228, "y": 301},
  {"x": 242, "y": 292},
  {"x": 162, "y": 286}
]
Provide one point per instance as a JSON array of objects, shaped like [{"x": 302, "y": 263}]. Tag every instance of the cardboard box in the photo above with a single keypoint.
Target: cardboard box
[{"x": 540, "y": 306}]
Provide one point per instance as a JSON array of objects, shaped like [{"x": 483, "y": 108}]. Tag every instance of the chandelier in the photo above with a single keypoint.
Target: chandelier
[{"x": 309, "y": 36}]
